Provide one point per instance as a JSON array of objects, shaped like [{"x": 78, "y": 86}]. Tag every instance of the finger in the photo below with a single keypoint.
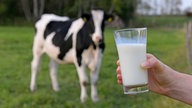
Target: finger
[
  {"x": 119, "y": 81},
  {"x": 149, "y": 55},
  {"x": 118, "y": 63},
  {"x": 119, "y": 77},
  {"x": 152, "y": 62},
  {"x": 118, "y": 71}
]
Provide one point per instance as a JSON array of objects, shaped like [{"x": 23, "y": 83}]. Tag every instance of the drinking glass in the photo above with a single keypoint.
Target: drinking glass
[{"x": 131, "y": 48}]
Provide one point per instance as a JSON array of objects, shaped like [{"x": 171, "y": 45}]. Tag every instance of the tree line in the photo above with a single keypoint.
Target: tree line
[
  {"x": 160, "y": 7},
  {"x": 30, "y": 10}
]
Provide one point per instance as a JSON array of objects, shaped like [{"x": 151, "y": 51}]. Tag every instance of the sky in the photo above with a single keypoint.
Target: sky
[
  {"x": 161, "y": 6},
  {"x": 186, "y": 4}
]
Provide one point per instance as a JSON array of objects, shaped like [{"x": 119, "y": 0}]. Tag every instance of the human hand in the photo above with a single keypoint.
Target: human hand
[{"x": 160, "y": 75}]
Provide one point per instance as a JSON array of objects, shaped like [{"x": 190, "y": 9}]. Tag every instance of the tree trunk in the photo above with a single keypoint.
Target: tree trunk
[
  {"x": 189, "y": 39},
  {"x": 35, "y": 9},
  {"x": 80, "y": 8},
  {"x": 26, "y": 9},
  {"x": 111, "y": 8},
  {"x": 41, "y": 8},
  {"x": 38, "y": 8}
]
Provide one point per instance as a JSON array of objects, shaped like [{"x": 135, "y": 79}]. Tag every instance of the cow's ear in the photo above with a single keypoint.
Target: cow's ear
[
  {"x": 85, "y": 17},
  {"x": 109, "y": 18}
]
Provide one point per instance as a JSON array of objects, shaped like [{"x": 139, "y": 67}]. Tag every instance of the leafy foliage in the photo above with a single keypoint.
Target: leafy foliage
[{"x": 12, "y": 9}]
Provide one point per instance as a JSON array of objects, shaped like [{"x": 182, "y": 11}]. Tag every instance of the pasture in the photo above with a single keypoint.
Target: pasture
[{"x": 15, "y": 58}]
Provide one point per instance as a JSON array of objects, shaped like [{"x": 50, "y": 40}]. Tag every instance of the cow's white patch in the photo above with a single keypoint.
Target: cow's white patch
[
  {"x": 74, "y": 28},
  {"x": 46, "y": 18},
  {"x": 98, "y": 17},
  {"x": 53, "y": 51},
  {"x": 50, "y": 48}
]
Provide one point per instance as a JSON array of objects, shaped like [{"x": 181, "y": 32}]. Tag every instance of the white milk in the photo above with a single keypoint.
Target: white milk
[{"x": 131, "y": 56}]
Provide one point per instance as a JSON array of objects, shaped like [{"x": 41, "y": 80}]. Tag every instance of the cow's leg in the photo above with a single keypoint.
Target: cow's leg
[
  {"x": 53, "y": 74},
  {"x": 94, "y": 74},
  {"x": 83, "y": 81},
  {"x": 94, "y": 79},
  {"x": 35, "y": 64}
]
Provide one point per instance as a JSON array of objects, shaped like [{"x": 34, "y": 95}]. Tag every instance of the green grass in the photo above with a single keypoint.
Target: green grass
[
  {"x": 15, "y": 59},
  {"x": 161, "y": 21}
]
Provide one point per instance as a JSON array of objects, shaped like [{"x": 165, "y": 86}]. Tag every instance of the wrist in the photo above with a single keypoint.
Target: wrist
[
  {"x": 176, "y": 78},
  {"x": 181, "y": 88}
]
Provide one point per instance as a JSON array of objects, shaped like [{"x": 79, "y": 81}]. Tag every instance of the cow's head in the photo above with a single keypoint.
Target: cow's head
[{"x": 96, "y": 22}]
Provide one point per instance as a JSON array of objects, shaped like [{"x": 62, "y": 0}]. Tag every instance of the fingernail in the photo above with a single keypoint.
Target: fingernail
[{"x": 145, "y": 65}]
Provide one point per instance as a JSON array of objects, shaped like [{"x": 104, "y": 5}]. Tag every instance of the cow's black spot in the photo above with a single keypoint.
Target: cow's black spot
[
  {"x": 57, "y": 26},
  {"x": 84, "y": 40},
  {"x": 64, "y": 46},
  {"x": 61, "y": 29}
]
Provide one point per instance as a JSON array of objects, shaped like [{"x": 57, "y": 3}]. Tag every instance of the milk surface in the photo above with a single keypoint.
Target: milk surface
[{"x": 131, "y": 56}]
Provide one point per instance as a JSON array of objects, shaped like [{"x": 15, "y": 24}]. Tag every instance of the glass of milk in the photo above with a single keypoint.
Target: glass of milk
[{"x": 131, "y": 47}]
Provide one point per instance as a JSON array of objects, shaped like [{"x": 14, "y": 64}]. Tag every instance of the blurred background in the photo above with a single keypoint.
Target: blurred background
[
  {"x": 169, "y": 39},
  {"x": 21, "y": 12}
]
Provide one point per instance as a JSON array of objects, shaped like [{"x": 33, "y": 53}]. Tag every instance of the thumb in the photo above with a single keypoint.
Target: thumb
[
  {"x": 152, "y": 62},
  {"x": 147, "y": 64}
]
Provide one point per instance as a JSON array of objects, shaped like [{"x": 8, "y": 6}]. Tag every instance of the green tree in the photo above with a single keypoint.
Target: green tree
[
  {"x": 9, "y": 9},
  {"x": 32, "y": 9},
  {"x": 125, "y": 9}
]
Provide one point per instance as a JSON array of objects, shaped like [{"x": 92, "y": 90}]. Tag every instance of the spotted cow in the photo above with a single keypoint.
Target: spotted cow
[{"x": 79, "y": 41}]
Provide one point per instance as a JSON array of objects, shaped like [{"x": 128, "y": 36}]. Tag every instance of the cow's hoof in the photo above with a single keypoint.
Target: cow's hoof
[
  {"x": 83, "y": 99},
  {"x": 56, "y": 89},
  {"x": 32, "y": 89},
  {"x": 95, "y": 99}
]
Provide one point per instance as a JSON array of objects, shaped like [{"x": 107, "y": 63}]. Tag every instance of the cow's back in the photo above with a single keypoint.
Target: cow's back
[
  {"x": 41, "y": 24},
  {"x": 60, "y": 39}
]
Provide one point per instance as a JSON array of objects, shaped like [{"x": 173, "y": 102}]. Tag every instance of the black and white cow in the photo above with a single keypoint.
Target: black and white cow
[{"x": 77, "y": 41}]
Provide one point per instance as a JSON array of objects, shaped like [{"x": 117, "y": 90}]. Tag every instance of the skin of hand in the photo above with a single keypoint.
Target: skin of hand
[{"x": 164, "y": 80}]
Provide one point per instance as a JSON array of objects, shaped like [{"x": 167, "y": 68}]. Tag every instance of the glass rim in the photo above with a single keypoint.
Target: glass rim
[{"x": 131, "y": 29}]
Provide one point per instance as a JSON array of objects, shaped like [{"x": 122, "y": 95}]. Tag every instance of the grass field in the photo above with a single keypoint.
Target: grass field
[
  {"x": 15, "y": 58},
  {"x": 161, "y": 21}
]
